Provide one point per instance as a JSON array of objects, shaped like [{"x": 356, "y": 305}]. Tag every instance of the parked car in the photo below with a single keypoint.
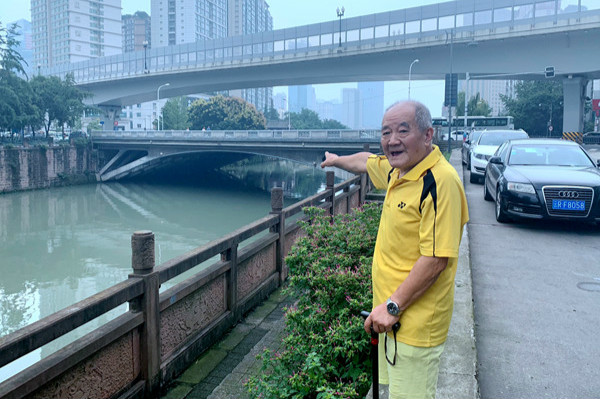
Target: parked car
[
  {"x": 591, "y": 138},
  {"x": 468, "y": 144},
  {"x": 543, "y": 179},
  {"x": 455, "y": 135},
  {"x": 486, "y": 146}
]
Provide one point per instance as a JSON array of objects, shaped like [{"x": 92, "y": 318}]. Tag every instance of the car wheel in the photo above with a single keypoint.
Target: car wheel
[
  {"x": 486, "y": 194},
  {"x": 500, "y": 214},
  {"x": 473, "y": 178}
]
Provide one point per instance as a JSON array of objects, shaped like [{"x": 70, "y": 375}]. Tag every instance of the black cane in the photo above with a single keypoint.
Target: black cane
[
  {"x": 374, "y": 357},
  {"x": 375, "y": 354}
]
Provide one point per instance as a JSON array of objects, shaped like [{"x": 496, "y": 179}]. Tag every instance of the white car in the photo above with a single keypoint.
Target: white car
[{"x": 486, "y": 146}]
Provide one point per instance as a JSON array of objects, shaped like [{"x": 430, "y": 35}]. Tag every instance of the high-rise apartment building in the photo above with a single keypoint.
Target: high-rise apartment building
[
  {"x": 489, "y": 90},
  {"x": 136, "y": 31},
  {"x": 187, "y": 21},
  {"x": 67, "y": 31},
  {"x": 246, "y": 17}
]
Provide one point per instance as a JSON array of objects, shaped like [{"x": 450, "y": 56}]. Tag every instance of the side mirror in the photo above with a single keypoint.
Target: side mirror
[
  {"x": 598, "y": 163},
  {"x": 496, "y": 160}
]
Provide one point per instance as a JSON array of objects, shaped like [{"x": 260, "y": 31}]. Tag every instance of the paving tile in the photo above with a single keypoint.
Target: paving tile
[
  {"x": 203, "y": 366},
  {"x": 178, "y": 391}
]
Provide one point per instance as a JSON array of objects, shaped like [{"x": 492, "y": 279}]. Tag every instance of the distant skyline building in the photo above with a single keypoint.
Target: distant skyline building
[
  {"x": 371, "y": 99},
  {"x": 329, "y": 110},
  {"x": 301, "y": 97},
  {"x": 136, "y": 30},
  {"x": 25, "y": 36},
  {"x": 187, "y": 21},
  {"x": 68, "y": 31},
  {"x": 351, "y": 108}
]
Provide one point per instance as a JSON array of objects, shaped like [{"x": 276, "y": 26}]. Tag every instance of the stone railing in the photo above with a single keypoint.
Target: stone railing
[{"x": 162, "y": 333}]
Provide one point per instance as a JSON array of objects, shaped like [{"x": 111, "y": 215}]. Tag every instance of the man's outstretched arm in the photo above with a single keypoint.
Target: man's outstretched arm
[{"x": 355, "y": 163}]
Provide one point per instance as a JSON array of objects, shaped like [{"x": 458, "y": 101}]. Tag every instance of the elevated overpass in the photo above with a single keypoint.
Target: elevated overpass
[
  {"x": 503, "y": 39},
  {"x": 128, "y": 154}
]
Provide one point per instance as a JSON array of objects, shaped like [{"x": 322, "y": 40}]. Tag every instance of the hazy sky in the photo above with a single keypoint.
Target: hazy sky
[{"x": 288, "y": 13}]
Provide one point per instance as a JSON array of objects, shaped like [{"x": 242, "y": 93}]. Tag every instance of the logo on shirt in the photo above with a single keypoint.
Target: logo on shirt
[{"x": 402, "y": 204}]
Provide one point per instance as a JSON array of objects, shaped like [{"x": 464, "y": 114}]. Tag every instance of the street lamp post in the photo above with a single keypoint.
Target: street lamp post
[
  {"x": 450, "y": 105},
  {"x": 159, "y": 113},
  {"x": 409, "y": 74},
  {"x": 145, "y": 62},
  {"x": 288, "y": 112},
  {"x": 340, "y": 14}
]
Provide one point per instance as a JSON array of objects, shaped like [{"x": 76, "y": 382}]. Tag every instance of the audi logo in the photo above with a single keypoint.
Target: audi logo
[{"x": 568, "y": 194}]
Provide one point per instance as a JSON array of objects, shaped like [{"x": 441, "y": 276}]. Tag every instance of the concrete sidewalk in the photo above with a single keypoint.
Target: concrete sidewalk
[{"x": 220, "y": 373}]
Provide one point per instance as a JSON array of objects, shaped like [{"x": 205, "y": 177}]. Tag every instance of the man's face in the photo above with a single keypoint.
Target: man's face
[{"x": 401, "y": 140}]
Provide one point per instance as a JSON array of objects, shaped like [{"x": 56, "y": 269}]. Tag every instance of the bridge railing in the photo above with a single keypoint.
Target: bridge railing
[
  {"x": 465, "y": 17},
  {"x": 162, "y": 333},
  {"x": 368, "y": 135}
]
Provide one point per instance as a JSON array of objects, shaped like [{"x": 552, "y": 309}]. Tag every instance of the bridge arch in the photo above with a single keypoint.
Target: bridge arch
[{"x": 133, "y": 153}]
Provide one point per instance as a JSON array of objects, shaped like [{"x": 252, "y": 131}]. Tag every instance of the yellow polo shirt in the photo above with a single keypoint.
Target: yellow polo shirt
[{"x": 424, "y": 213}]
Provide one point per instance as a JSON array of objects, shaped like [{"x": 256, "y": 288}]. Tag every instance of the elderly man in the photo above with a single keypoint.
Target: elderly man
[{"x": 416, "y": 252}]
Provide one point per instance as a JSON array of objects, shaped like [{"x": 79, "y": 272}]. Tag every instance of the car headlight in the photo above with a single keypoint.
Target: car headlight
[
  {"x": 482, "y": 156},
  {"x": 521, "y": 187}
]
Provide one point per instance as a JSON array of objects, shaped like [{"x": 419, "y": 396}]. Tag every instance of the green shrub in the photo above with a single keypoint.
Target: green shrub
[{"x": 326, "y": 351}]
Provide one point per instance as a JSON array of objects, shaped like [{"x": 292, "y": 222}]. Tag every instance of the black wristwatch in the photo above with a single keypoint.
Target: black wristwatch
[{"x": 392, "y": 307}]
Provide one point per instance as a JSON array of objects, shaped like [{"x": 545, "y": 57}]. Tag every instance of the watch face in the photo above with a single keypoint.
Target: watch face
[{"x": 392, "y": 308}]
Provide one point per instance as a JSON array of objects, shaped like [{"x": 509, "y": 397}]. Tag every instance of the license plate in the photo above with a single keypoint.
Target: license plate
[{"x": 568, "y": 205}]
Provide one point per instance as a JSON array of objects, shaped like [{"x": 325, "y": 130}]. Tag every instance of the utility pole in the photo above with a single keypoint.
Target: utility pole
[{"x": 450, "y": 104}]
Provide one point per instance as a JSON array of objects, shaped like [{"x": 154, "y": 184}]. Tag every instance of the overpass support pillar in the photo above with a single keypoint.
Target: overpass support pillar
[
  {"x": 573, "y": 100},
  {"x": 110, "y": 116}
]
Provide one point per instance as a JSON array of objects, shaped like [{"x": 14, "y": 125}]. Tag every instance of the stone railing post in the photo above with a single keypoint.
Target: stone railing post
[
  {"x": 142, "y": 262},
  {"x": 364, "y": 179},
  {"x": 330, "y": 179},
  {"x": 279, "y": 228},
  {"x": 230, "y": 255}
]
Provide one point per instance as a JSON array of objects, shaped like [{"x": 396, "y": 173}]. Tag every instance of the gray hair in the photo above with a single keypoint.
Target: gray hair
[{"x": 422, "y": 114}]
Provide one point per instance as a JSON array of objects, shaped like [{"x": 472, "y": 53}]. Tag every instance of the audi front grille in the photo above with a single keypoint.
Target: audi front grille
[{"x": 567, "y": 193}]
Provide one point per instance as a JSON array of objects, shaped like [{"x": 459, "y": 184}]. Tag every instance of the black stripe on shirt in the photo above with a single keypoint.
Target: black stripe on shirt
[{"x": 430, "y": 188}]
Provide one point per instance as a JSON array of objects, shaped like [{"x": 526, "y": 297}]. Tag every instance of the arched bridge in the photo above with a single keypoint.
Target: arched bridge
[{"x": 131, "y": 153}]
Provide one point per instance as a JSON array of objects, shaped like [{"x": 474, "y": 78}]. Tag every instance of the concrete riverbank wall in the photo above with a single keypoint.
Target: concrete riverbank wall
[{"x": 43, "y": 166}]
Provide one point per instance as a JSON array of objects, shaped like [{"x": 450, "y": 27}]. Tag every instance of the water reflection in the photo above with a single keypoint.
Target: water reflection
[
  {"x": 297, "y": 180},
  {"x": 59, "y": 246}
]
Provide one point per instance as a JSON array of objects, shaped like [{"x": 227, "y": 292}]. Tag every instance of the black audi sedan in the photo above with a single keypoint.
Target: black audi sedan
[{"x": 543, "y": 179}]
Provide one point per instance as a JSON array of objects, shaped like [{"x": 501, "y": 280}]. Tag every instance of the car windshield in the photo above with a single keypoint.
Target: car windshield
[
  {"x": 548, "y": 154},
  {"x": 497, "y": 138},
  {"x": 475, "y": 135}
]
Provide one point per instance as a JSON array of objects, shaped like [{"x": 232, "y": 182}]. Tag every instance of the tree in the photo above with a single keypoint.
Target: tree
[
  {"x": 16, "y": 103},
  {"x": 476, "y": 106},
  {"x": 175, "y": 114},
  {"x": 308, "y": 119},
  {"x": 271, "y": 113},
  {"x": 224, "y": 113},
  {"x": 10, "y": 59},
  {"x": 333, "y": 124},
  {"x": 534, "y": 104},
  {"x": 59, "y": 100}
]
